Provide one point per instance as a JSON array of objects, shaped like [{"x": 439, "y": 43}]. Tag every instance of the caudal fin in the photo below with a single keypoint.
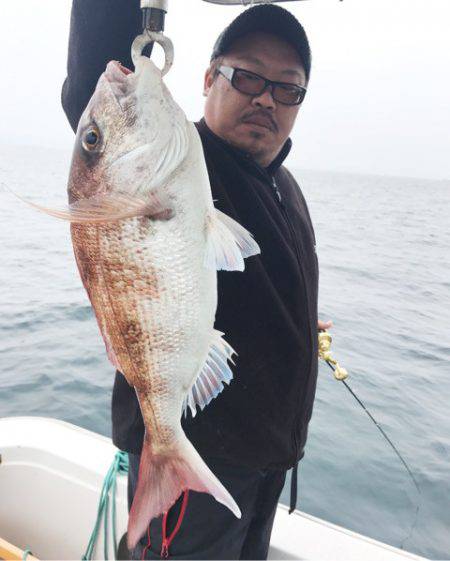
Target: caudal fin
[{"x": 162, "y": 479}]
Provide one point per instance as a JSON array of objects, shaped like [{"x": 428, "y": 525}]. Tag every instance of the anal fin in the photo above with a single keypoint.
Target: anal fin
[{"x": 214, "y": 373}]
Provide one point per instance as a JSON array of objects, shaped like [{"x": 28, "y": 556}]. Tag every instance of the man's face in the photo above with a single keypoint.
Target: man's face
[{"x": 258, "y": 124}]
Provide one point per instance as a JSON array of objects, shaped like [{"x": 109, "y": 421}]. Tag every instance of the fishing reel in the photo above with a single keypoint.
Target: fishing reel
[{"x": 325, "y": 354}]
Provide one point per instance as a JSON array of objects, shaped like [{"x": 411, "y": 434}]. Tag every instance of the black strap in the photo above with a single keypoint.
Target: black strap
[{"x": 294, "y": 475}]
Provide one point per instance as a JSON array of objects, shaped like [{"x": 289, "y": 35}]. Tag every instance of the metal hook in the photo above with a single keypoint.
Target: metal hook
[{"x": 148, "y": 37}]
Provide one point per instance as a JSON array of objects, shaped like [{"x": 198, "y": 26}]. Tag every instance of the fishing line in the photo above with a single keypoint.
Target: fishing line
[
  {"x": 381, "y": 430},
  {"x": 341, "y": 374}
]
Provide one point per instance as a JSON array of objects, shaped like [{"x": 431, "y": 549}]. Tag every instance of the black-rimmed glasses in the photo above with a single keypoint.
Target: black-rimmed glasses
[{"x": 253, "y": 84}]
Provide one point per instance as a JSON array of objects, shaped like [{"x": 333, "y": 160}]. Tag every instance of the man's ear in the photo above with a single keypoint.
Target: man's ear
[{"x": 208, "y": 81}]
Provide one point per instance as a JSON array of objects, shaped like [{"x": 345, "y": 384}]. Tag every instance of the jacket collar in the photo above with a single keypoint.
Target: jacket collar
[{"x": 243, "y": 156}]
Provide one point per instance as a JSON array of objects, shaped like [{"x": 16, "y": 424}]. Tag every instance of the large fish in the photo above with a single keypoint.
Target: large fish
[{"x": 148, "y": 242}]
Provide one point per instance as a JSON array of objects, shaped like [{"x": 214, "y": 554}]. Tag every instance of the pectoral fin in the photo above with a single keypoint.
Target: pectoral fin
[
  {"x": 228, "y": 243},
  {"x": 111, "y": 207}
]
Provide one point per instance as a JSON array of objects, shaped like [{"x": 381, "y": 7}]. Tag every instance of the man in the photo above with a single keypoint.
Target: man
[{"x": 256, "y": 428}]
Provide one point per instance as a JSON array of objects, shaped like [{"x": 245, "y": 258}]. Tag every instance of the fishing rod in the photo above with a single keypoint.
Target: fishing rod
[
  {"x": 341, "y": 375},
  {"x": 153, "y": 20},
  {"x": 247, "y": 2},
  {"x": 154, "y": 11}
]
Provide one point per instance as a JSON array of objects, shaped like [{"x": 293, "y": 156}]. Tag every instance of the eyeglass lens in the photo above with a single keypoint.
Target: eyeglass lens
[{"x": 254, "y": 85}]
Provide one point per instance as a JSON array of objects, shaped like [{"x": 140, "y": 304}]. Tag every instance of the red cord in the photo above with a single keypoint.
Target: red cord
[
  {"x": 148, "y": 544},
  {"x": 166, "y": 541}
]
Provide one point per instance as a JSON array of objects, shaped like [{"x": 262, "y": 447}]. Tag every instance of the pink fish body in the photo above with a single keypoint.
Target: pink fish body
[{"x": 148, "y": 242}]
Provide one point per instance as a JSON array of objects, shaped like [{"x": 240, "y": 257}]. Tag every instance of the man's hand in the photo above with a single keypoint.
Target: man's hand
[{"x": 324, "y": 324}]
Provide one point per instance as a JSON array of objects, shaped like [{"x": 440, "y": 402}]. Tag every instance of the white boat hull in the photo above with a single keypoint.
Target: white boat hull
[{"x": 51, "y": 475}]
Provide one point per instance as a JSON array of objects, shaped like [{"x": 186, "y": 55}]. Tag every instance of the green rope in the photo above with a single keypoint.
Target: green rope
[
  {"x": 25, "y": 554},
  {"x": 119, "y": 465}
]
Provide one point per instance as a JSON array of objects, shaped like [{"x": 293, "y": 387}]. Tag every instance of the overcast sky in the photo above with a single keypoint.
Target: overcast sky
[{"x": 378, "y": 101}]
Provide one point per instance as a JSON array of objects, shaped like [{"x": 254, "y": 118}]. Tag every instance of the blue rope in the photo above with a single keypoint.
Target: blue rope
[{"x": 119, "y": 466}]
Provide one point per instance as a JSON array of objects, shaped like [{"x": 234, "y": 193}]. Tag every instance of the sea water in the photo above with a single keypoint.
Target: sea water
[{"x": 384, "y": 251}]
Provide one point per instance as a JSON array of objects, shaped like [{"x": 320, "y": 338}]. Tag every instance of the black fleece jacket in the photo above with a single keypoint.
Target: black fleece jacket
[{"x": 268, "y": 313}]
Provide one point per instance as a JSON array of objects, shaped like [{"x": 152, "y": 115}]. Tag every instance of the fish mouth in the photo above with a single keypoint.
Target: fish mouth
[
  {"x": 120, "y": 81},
  {"x": 115, "y": 70},
  {"x": 124, "y": 69},
  {"x": 116, "y": 73}
]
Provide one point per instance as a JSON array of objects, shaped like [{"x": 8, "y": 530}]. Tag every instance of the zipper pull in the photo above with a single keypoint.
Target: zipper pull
[{"x": 275, "y": 188}]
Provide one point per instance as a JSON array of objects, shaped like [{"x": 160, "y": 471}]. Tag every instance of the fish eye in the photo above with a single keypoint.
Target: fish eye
[{"x": 91, "y": 138}]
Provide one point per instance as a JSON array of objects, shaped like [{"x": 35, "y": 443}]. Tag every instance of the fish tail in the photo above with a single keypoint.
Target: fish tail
[{"x": 163, "y": 478}]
